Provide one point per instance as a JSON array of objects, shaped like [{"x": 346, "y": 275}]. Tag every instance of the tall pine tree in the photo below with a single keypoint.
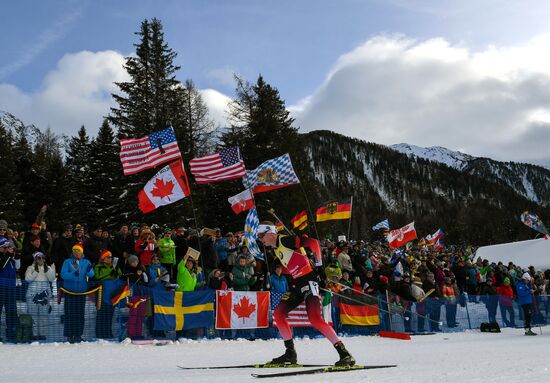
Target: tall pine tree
[{"x": 79, "y": 178}]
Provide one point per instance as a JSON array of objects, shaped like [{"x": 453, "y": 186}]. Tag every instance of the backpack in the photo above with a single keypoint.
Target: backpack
[
  {"x": 24, "y": 328},
  {"x": 489, "y": 327}
]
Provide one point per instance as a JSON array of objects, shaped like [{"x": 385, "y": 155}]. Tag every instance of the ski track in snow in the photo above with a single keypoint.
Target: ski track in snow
[{"x": 458, "y": 357}]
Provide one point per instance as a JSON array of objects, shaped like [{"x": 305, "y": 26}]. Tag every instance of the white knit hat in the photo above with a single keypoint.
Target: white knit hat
[{"x": 526, "y": 276}]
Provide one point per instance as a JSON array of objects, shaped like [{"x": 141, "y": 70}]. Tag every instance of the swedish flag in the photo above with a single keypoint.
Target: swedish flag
[{"x": 183, "y": 310}]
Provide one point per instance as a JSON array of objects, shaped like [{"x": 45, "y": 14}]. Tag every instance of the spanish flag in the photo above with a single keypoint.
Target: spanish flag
[
  {"x": 359, "y": 315},
  {"x": 334, "y": 210},
  {"x": 119, "y": 294},
  {"x": 299, "y": 219}
]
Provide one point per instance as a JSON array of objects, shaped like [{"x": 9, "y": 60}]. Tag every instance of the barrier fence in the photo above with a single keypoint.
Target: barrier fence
[{"x": 49, "y": 312}]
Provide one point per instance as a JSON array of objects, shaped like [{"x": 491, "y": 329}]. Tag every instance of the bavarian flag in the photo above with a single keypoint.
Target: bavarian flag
[
  {"x": 359, "y": 315},
  {"x": 183, "y": 310},
  {"x": 300, "y": 220},
  {"x": 334, "y": 210}
]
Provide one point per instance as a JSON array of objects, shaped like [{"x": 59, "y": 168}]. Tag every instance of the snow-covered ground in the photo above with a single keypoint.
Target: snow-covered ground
[{"x": 459, "y": 357}]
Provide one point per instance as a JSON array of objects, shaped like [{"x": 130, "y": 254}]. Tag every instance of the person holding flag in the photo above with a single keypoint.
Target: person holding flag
[{"x": 304, "y": 286}]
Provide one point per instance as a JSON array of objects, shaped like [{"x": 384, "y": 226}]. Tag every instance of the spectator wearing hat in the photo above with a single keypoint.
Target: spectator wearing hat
[
  {"x": 158, "y": 274},
  {"x": 62, "y": 247},
  {"x": 104, "y": 269},
  {"x": 217, "y": 280},
  {"x": 3, "y": 228},
  {"x": 419, "y": 296},
  {"x": 243, "y": 276},
  {"x": 277, "y": 280},
  {"x": 94, "y": 245},
  {"x": 75, "y": 273},
  {"x": 78, "y": 234},
  {"x": 104, "y": 272},
  {"x": 9, "y": 264},
  {"x": 39, "y": 276},
  {"x": 133, "y": 272},
  {"x": 525, "y": 298},
  {"x": 222, "y": 246},
  {"x": 344, "y": 259},
  {"x": 187, "y": 274},
  {"x": 506, "y": 302},
  {"x": 146, "y": 246},
  {"x": 167, "y": 252},
  {"x": 490, "y": 298}
]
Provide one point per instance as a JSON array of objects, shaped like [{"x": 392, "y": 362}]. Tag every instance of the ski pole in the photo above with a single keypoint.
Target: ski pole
[
  {"x": 373, "y": 297},
  {"x": 272, "y": 212}
]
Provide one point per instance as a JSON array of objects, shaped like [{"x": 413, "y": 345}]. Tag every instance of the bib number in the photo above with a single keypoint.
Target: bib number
[{"x": 314, "y": 288}]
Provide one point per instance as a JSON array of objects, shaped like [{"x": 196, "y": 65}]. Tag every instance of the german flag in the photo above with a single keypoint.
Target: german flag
[
  {"x": 359, "y": 315},
  {"x": 334, "y": 210},
  {"x": 119, "y": 294},
  {"x": 299, "y": 219},
  {"x": 302, "y": 226},
  {"x": 279, "y": 225}
]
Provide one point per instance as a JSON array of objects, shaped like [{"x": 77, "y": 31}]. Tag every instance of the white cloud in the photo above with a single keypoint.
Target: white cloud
[
  {"x": 78, "y": 91},
  {"x": 391, "y": 89},
  {"x": 217, "y": 104}
]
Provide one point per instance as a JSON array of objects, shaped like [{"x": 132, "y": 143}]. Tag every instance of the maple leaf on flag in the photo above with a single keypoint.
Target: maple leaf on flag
[
  {"x": 244, "y": 309},
  {"x": 162, "y": 189}
]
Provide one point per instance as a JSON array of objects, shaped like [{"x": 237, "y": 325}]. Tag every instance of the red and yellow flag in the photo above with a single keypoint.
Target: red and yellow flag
[
  {"x": 299, "y": 220},
  {"x": 334, "y": 210},
  {"x": 359, "y": 315}
]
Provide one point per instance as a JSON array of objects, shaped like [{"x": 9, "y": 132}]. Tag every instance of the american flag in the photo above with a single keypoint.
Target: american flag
[
  {"x": 298, "y": 317},
  {"x": 224, "y": 165},
  {"x": 137, "y": 154}
]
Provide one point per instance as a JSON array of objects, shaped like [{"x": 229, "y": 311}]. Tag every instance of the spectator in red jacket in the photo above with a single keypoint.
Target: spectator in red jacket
[
  {"x": 505, "y": 300},
  {"x": 146, "y": 246}
]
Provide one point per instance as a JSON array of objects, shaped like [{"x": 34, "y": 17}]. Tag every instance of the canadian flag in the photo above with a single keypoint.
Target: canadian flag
[
  {"x": 242, "y": 309},
  {"x": 242, "y": 201},
  {"x": 399, "y": 237},
  {"x": 167, "y": 186}
]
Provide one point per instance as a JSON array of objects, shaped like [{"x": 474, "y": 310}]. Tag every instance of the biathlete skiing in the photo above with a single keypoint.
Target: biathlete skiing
[{"x": 304, "y": 286}]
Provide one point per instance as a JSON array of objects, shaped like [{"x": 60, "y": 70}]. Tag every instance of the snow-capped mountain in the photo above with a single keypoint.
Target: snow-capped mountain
[
  {"x": 453, "y": 159},
  {"x": 530, "y": 181}
]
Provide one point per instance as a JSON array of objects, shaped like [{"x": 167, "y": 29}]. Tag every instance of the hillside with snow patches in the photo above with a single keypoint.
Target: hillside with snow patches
[{"x": 530, "y": 181}]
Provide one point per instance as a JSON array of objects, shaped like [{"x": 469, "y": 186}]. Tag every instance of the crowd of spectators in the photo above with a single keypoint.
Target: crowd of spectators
[{"x": 158, "y": 257}]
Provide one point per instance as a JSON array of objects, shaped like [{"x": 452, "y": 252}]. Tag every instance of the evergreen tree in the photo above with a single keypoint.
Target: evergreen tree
[
  {"x": 146, "y": 104},
  {"x": 10, "y": 205},
  {"x": 192, "y": 123},
  {"x": 51, "y": 179},
  {"x": 106, "y": 175},
  {"x": 79, "y": 172}
]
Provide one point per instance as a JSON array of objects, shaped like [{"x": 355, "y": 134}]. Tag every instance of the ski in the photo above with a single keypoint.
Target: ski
[
  {"x": 321, "y": 370},
  {"x": 260, "y": 365}
]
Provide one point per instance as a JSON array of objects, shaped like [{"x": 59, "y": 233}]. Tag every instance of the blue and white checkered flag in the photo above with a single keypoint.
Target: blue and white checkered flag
[
  {"x": 385, "y": 224},
  {"x": 271, "y": 174},
  {"x": 251, "y": 233}
]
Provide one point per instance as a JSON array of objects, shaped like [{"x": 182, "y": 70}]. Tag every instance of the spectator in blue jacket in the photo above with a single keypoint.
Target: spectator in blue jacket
[
  {"x": 75, "y": 273},
  {"x": 222, "y": 245},
  {"x": 8, "y": 269},
  {"x": 278, "y": 282},
  {"x": 525, "y": 297}
]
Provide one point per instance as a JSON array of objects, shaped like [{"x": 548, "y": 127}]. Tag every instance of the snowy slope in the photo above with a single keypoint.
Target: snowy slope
[
  {"x": 456, "y": 160},
  {"x": 530, "y": 181},
  {"x": 451, "y": 358}
]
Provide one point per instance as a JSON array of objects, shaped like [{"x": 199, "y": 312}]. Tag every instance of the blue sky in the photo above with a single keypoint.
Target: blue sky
[{"x": 307, "y": 49}]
